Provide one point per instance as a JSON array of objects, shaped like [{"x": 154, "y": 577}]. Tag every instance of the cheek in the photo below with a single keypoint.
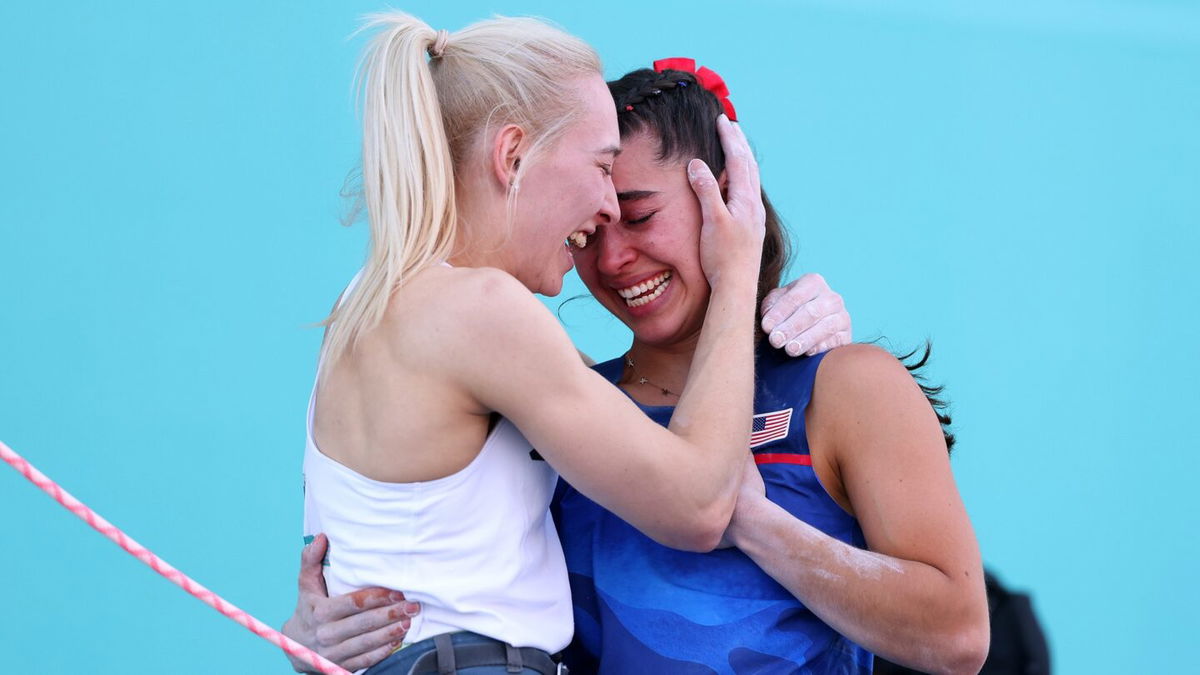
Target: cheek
[{"x": 585, "y": 265}]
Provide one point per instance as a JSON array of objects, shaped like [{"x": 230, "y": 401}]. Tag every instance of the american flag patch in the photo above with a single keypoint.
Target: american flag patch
[{"x": 770, "y": 426}]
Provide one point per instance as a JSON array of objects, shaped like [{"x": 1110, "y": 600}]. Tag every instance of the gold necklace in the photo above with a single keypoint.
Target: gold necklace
[{"x": 643, "y": 380}]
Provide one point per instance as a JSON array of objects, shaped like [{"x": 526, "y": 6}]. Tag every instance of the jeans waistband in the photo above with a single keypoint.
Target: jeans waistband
[{"x": 447, "y": 653}]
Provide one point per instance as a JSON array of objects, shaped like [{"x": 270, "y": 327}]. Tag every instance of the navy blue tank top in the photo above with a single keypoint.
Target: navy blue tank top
[{"x": 641, "y": 607}]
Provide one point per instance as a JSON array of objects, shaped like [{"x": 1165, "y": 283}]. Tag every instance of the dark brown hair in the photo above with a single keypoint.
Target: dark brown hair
[
  {"x": 682, "y": 115},
  {"x": 674, "y": 108}
]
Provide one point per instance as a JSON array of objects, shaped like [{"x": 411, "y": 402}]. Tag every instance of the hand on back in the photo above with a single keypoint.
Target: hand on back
[{"x": 356, "y": 630}]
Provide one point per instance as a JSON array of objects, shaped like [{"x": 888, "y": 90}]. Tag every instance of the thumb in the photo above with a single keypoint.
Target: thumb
[
  {"x": 312, "y": 578},
  {"x": 704, "y": 184}
]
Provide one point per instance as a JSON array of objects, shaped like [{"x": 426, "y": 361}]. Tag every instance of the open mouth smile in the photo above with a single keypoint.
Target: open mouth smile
[{"x": 640, "y": 294}]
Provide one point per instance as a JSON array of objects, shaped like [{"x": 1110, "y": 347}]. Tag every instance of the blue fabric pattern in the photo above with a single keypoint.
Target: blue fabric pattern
[{"x": 643, "y": 608}]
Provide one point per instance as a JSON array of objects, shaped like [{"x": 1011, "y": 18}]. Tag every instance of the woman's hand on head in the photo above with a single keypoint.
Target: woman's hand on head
[
  {"x": 731, "y": 235},
  {"x": 356, "y": 630},
  {"x": 805, "y": 317}
]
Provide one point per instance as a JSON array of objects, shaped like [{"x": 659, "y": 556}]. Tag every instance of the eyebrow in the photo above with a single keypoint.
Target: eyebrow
[
  {"x": 635, "y": 195},
  {"x": 613, "y": 150}
]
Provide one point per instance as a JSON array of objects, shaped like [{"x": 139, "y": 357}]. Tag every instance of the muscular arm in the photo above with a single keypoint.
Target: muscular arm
[{"x": 917, "y": 596}]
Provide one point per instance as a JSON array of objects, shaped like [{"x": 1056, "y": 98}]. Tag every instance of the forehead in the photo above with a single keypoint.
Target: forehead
[
  {"x": 638, "y": 166},
  {"x": 597, "y": 122}
]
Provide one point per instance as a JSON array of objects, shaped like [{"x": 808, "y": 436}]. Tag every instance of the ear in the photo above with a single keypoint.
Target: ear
[
  {"x": 723, "y": 183},
  {"x": 507, "y": 147}
]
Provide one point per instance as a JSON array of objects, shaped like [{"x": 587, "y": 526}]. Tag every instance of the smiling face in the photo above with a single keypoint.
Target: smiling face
[
  {"x": 645, "y": 267},
  {"x": 566, "y": 189}
]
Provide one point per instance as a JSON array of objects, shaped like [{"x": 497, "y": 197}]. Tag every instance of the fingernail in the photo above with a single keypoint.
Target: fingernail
[
  {"x": 777, "y": 339},
  {"x": 396, "y": 596},
  {"x": 793, "y": 349},
  {"x": 412, "y": 608},
  {"x": 693, "y": 168}
]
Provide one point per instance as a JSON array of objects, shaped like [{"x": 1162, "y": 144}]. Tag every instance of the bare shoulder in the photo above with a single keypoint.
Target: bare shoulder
[
  {"x": 862, "y": 391},
  {"x": 466, "y": 298},
  {"x": 861, "y": 369},
  {"x": 473, "y": 315}
]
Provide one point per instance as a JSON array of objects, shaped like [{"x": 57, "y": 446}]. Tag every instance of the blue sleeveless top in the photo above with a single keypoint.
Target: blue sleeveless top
[{"x": 641, "y": 607}]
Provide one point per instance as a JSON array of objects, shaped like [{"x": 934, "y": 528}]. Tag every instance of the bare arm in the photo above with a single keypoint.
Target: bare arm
[
  {"x": 677, "y": 485},
  {"x": 917, "y": 596}
]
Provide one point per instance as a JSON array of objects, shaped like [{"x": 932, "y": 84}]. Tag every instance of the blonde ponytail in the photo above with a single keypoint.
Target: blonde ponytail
[
  {"x": 426, "y": 96},
  {"x": 407, "y": 178}
]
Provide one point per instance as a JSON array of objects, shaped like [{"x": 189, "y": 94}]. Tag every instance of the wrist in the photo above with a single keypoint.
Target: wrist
[
  {"x": 749, "y": 517},
  {"x": 735, "y": 289}
]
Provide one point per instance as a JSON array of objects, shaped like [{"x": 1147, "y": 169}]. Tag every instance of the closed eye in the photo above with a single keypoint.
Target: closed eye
[{"x": 639, "y": 221}]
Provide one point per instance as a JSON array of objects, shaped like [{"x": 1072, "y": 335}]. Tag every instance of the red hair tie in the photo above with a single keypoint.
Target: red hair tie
[{"x": 707, "y": 79}]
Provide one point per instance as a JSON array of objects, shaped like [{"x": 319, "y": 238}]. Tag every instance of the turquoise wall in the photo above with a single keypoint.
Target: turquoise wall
[{"x": 1019, "y": 181}]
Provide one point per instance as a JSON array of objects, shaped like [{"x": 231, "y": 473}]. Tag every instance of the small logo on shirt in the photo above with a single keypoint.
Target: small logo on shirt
[{"x": 769, "y": 427}]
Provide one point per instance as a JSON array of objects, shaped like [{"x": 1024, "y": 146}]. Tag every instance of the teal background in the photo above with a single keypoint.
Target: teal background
[{"x": 1019, "y": 181}]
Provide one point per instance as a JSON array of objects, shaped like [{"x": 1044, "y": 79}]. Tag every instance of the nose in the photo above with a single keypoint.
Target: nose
[
  {"x": 610, "y": 211},
  {"x": 614, "y": 250}
]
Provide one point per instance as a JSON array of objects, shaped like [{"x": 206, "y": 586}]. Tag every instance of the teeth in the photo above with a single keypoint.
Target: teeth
[
  {"x": 635, "y": 295},
  {"x": 578, "y": 239},
  {"x": 634, "y": 291},
  {"x": 638, "y": 302}
]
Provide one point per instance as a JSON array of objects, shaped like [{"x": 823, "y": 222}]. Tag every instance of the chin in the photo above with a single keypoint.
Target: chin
[{"x": 551, "y": 289}]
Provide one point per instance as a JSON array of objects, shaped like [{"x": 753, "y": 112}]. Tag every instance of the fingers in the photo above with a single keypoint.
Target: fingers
[
  {"x": 804, "y": 334},
  {"x": 737, "y": 159},
  {"x": 806, "y": 317},
  {"x": 839, "y": 339},
  {"x": 370, "y": 658},
  {"x": 704, "y": 184},
  {"x": 358, "y": 602},
  {"x": 752, "y": 163},
  {"x": 815, "y": 321},
  {"x": 744, "y": 191},
  {"x": 364, "y": 639},
  {"x": 312, "y": 578},
  {"x": 781, "y": 303}
]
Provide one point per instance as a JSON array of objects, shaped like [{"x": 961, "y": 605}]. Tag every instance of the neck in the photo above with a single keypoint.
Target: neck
[
  {"x": 481, "y": 218},
  {"x": 666, "y": 366}
]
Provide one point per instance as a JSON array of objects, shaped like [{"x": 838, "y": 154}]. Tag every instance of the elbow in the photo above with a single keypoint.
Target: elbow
[
  {"x": 968, "y": 650},
  {"x": 707, "y": 527},
  {"x": 699, "y": 529}
]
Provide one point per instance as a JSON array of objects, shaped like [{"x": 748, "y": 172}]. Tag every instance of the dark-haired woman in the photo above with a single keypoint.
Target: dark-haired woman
[
  {"x": 848, "y": 539},
  {"x": 859, "y": 543}
]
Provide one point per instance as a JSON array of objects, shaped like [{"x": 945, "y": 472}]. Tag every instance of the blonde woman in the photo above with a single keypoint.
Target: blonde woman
[{"x": 448, "y": 399}]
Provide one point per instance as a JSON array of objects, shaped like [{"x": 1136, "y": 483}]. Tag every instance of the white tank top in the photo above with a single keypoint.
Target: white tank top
[{"x": 477, "y": 549}]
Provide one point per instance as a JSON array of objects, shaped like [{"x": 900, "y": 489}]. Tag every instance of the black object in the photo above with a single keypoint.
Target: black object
[{"x": 1018, "y": 642}]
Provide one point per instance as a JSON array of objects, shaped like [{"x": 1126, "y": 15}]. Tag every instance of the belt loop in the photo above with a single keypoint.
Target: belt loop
[
  {"x": 445, "y": 654},
  {"x": 513, "y": 655}
]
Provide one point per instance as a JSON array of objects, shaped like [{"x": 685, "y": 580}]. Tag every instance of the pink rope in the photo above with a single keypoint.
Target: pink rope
[{"x": 161, "y": 566}]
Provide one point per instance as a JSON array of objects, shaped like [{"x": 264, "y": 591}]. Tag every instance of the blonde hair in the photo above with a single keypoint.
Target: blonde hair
[{"x": 422, "y": 119}]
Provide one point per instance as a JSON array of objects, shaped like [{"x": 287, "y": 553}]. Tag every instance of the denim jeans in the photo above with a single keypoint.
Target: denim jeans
[{"x": 401, "y": 662}]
